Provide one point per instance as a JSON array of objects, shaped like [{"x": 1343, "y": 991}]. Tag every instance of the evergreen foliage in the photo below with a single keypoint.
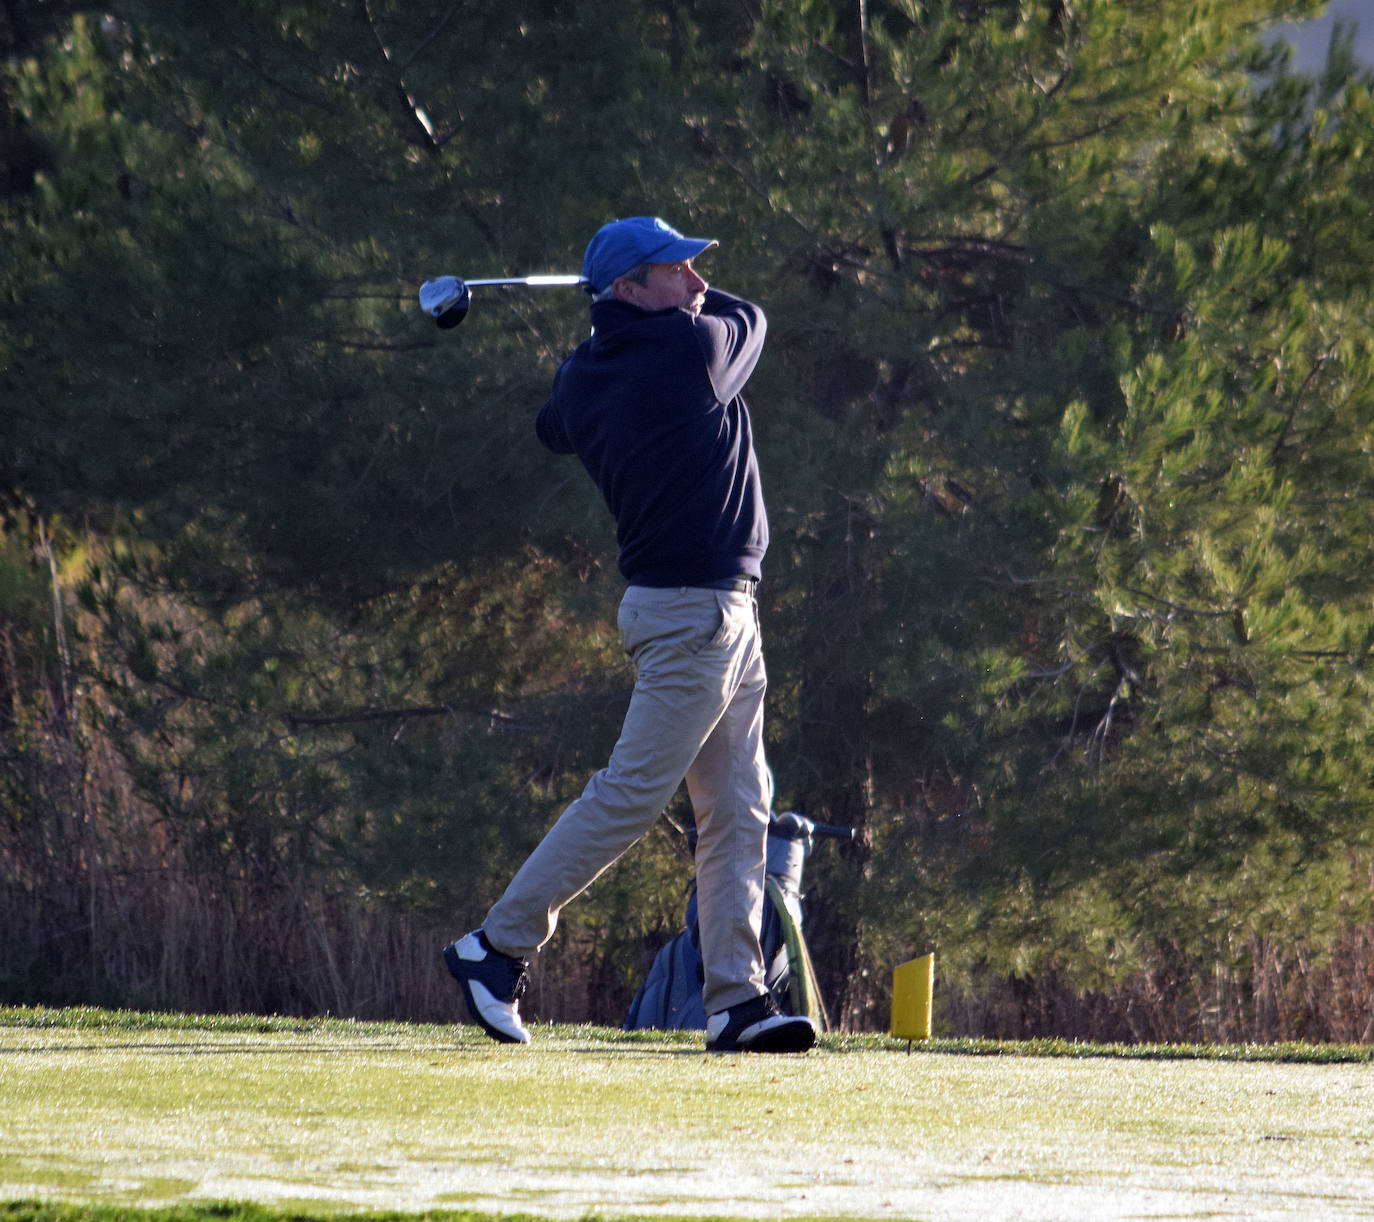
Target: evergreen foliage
[{"x": 1065, "y": 422}]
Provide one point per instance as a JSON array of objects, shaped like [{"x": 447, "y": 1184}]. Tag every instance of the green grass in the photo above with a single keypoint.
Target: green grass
[
  {"x": 106, "y": 1116},
  {"x": 90, "y": 1017}
]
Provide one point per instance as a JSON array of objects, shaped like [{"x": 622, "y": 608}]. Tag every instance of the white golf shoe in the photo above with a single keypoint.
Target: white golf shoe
[{"x": 492, "y": 985}]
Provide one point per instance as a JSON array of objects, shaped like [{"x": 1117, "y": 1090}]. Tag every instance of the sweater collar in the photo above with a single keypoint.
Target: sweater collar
[{"x": 614, "y": 315}]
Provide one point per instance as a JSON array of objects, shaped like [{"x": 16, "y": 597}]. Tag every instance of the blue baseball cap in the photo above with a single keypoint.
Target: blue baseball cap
[{"x": 622, "y": 245}]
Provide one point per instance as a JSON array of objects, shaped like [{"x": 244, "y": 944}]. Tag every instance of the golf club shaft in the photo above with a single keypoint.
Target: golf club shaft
[
  {"x": 833, "y": 832},
  {"x": 532, "y": 281},
  {"x": 447, "y": 298}
]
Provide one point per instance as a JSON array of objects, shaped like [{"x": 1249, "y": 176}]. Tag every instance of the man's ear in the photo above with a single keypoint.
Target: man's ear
[{"x": 624, "y": 289}]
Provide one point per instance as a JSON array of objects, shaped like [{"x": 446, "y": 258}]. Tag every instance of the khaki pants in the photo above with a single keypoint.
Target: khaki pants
[{"x": 696, "y": 713}]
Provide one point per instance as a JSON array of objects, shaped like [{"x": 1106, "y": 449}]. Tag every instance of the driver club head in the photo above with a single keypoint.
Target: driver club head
[{"x": 446, "y": 300}]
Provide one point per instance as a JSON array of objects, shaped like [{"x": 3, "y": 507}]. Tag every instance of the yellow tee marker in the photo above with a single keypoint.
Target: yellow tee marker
[{"x": 913, "y": 987}]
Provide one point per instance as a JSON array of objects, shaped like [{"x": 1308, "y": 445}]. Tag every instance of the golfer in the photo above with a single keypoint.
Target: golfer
[{"x": 651, "y": 405}]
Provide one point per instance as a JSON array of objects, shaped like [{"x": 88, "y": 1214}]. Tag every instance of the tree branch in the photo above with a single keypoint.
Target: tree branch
[
  {"x": 1282, "y": 439},
  {"x": 422, "y": 131},
  {"x": 361, "y": 716},
  {"x": 1140, "y": 307},
  {"x": 430, "y": 37}
]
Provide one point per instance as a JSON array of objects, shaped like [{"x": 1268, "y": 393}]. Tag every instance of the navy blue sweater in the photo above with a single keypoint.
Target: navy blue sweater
[{"x": 651, "y": 405}]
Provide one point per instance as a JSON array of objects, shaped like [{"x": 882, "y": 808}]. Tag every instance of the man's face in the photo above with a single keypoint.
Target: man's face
[{"x": 668, "y": 286}]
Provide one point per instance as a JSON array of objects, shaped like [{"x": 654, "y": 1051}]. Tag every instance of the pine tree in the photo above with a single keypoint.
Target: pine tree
[
  {"x": 1064, "y": 422},
  {"x": 1078, "y": 386}
]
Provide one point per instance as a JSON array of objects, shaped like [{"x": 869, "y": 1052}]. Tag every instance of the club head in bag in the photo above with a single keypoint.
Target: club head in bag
[{"x": 446, "y": 300}]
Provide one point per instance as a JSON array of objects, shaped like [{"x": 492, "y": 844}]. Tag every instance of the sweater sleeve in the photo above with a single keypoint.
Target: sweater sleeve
[
  {"x": 730, "y": 331},
  {"x": 549, "y": 426}
]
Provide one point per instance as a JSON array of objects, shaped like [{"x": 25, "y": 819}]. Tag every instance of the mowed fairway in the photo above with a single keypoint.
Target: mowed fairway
[{"x": 331, "y": 1116}]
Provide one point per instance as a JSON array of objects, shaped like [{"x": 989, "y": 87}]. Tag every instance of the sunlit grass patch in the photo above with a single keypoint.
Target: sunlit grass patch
[
  {"x": 113, "y": 1111},
  {"x": 94, "y": 1018}
]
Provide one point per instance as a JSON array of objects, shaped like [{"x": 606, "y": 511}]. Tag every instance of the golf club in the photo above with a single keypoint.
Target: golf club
[{"x": 447, "y": 298}]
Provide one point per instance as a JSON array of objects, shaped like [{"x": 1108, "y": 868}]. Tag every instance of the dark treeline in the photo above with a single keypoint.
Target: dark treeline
[{"x": 1067, "y": 426}]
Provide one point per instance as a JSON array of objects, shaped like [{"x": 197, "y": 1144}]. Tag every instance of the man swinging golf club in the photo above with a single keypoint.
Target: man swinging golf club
[{"x": 651, "y": 405}]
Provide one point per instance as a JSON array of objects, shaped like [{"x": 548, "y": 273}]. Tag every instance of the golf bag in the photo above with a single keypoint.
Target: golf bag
[{"x": 670, "y": 997}]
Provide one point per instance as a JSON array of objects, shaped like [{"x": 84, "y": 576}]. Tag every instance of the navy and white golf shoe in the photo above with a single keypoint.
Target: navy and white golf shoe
[
  {"x": 759, "y": 1026},
  {"x": 492, "y": 985}
]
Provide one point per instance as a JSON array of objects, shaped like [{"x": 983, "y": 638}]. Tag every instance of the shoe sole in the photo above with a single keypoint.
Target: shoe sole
[
  {"x": 454, "y": 963},
  {"x": 788, "y": 1037}
]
